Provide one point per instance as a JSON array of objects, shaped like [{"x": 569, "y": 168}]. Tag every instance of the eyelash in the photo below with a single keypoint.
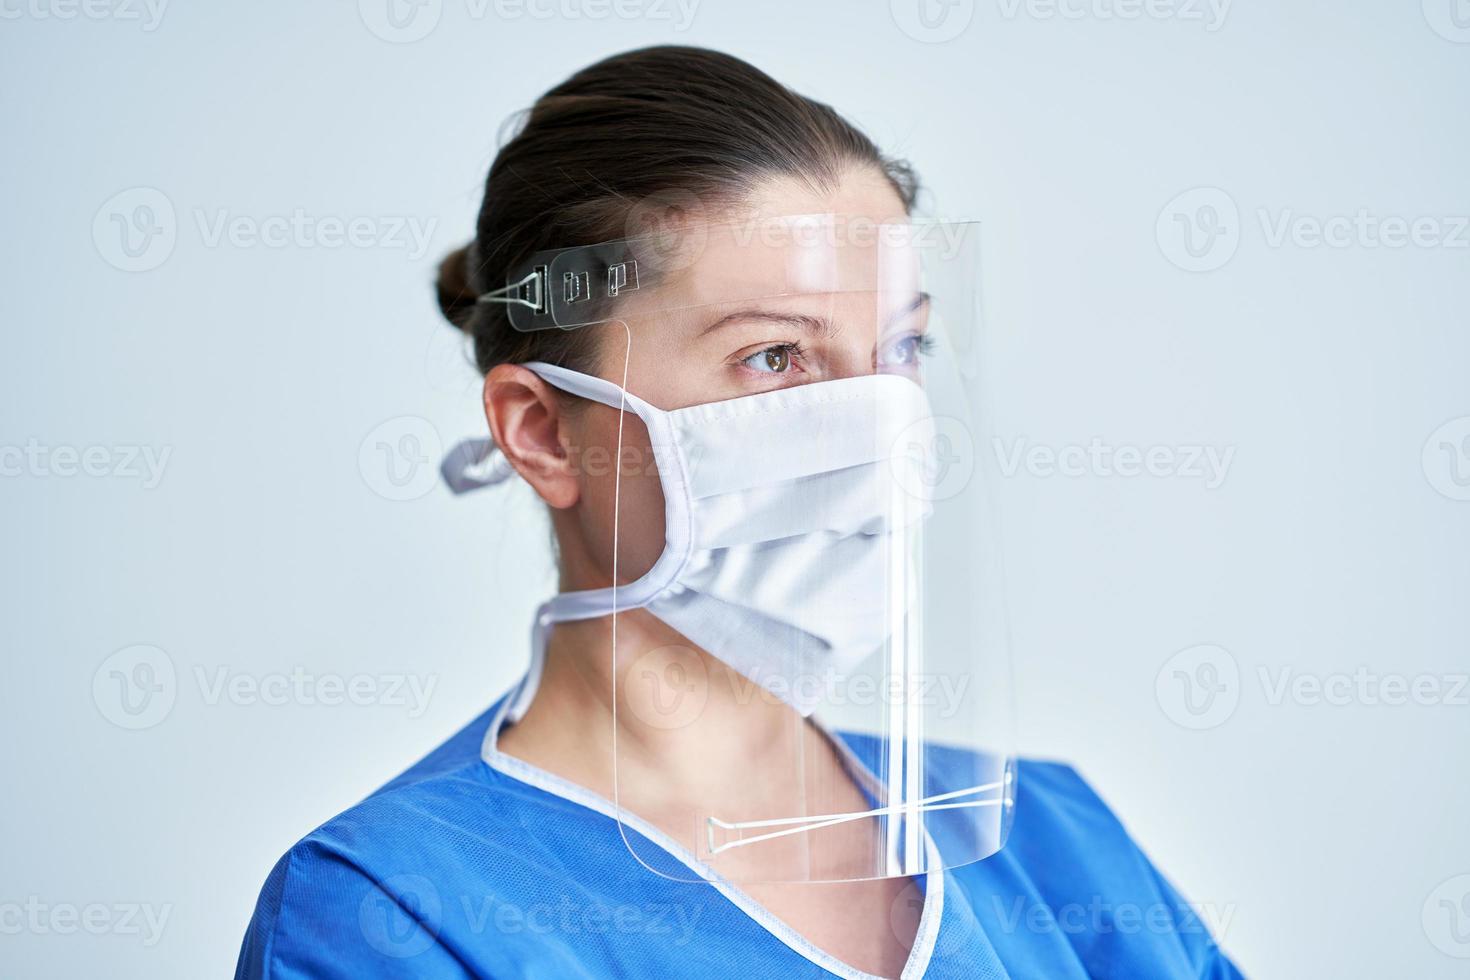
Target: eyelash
[
  {"x": 923, "y": 347},
  {"x": 792, "y": 349},
  {"x": 925, "y": 343}
]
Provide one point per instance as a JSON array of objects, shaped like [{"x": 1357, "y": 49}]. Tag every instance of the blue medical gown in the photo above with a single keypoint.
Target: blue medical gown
[{"x": 457, "y": 869}]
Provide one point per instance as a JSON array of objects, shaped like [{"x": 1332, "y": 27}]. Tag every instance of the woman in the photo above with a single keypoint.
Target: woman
[{"x": 711, "y": 336}]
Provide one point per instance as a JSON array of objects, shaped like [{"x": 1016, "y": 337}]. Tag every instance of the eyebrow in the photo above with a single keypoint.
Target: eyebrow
[
  {"x": 819, "y": 326},
  {"x": 816, "y": 325}
]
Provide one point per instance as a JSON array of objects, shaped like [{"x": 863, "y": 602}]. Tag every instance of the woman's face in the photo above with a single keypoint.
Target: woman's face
[
  {"x": 728, "y": 337},
  {"x": 724, "y": 335}
]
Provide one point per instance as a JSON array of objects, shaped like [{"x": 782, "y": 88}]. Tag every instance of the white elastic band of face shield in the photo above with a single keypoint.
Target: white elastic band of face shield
[{"x": 800, "y": 825}]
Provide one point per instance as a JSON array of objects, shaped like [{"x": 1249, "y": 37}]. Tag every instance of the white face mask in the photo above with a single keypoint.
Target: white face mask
[{"x": 788, "y": 528}]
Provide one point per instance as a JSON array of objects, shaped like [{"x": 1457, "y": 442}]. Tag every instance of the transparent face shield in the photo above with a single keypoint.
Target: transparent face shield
[{"x": 795, "y": 544}]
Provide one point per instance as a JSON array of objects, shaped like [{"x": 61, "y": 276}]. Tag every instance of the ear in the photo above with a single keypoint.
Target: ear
[{"x": 526, "y": 422}]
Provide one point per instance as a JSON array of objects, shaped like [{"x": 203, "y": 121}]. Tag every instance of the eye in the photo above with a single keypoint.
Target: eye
[
  {"x": 772, "y": 360},
  {"x": 907, "y": 350}
]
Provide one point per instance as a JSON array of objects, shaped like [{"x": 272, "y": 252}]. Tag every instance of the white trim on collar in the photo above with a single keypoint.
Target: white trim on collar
[{"x": 513, "y": 708}]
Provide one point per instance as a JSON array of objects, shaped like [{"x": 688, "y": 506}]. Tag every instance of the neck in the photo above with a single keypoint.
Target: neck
[{"x": 660, "y": 706}]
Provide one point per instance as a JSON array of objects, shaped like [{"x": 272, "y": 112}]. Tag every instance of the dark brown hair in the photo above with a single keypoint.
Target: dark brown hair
[{"x": 654, "y": 122}]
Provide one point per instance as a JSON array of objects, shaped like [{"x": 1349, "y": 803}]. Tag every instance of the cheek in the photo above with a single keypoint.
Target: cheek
[{"x": 638, "y": 502}]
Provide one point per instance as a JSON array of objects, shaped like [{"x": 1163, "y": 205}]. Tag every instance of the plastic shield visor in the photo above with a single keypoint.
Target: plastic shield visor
[{"x": 808, "y": 666}]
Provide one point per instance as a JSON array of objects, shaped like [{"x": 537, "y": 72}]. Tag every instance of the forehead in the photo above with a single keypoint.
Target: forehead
[
  {"x": 783, "y": 257},
  {"x": 785, "y": 236}
]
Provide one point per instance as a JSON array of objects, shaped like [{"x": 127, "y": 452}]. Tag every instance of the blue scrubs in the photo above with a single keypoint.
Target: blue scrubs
[{"x": 475, "y": 864}]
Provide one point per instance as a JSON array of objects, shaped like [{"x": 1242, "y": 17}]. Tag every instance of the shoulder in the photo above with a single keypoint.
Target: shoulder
[
  {"x": 1059, "y": 814},
  {"x": 1059, "y": 796},
  {"x": 361, "y": 894},
  {"x": 1068, "y": 839},
  {"x": 1086, "y": 878}
]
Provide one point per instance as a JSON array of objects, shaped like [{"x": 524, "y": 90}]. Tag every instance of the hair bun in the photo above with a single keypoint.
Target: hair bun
[{"x": 457, "y": 294}]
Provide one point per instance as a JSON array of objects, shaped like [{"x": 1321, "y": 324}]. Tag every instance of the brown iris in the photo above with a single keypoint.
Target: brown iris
[{"x": 778, "y": 359}]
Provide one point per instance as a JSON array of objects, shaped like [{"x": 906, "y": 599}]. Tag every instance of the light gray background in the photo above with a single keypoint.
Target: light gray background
[{"x": 1326, "y": 837}]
